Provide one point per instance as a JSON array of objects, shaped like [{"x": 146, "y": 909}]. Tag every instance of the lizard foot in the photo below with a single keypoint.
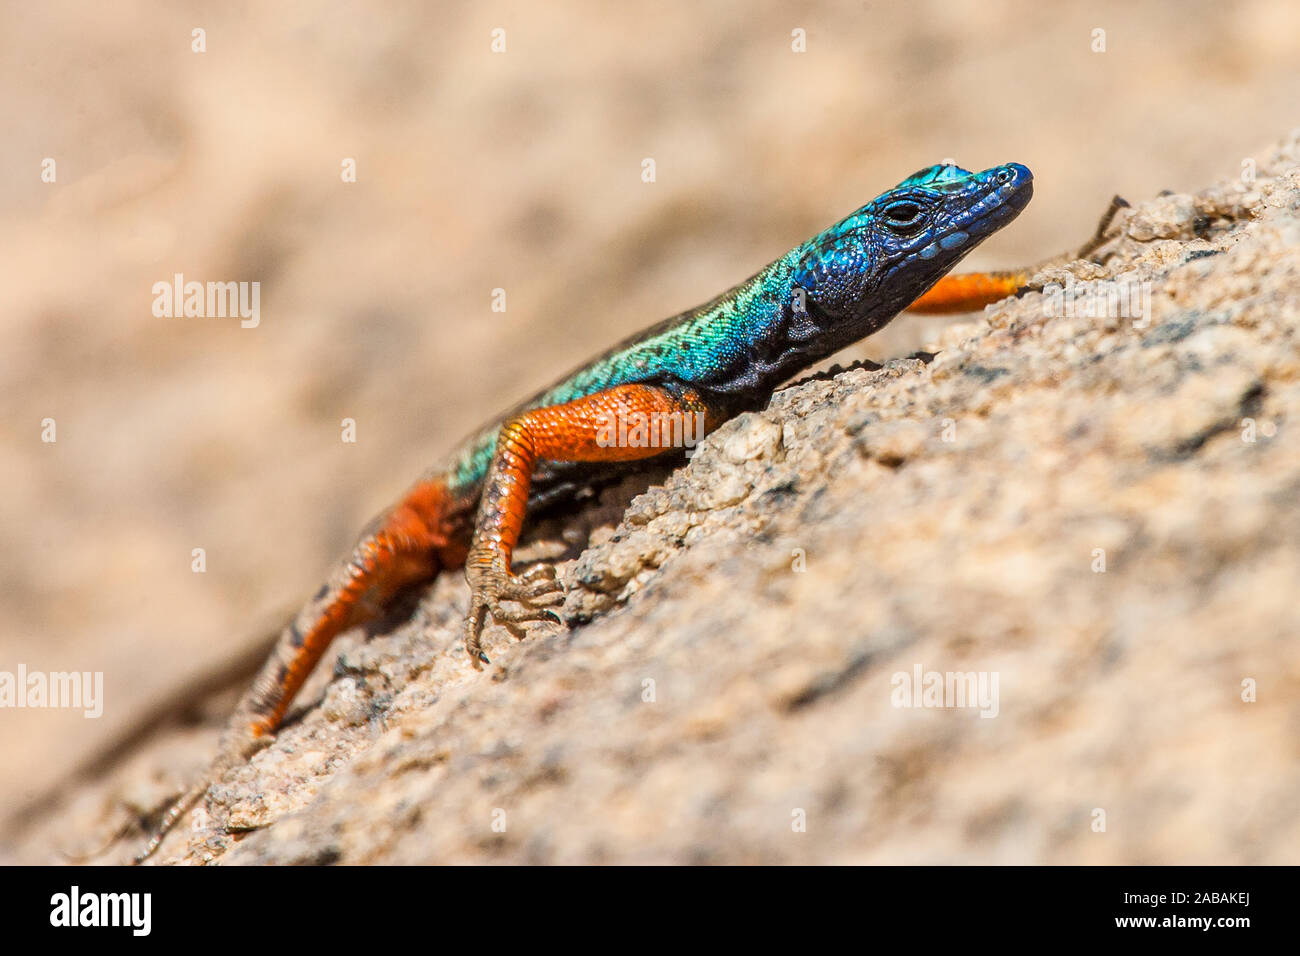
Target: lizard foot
[
  {"x": 536, "y": 591},
  {"x": 1099, "y": 238}
]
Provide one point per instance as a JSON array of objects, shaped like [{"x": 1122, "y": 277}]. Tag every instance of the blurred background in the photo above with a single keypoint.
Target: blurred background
[{"x": 475, "y": 170}]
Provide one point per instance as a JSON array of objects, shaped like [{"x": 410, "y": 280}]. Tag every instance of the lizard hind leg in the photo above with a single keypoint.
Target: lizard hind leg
[{"x": 411, "y": 542}]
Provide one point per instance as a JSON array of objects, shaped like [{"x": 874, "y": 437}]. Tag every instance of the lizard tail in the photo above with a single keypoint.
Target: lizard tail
[
  {"x": 422, "y": 535},
  {"x": 178, "y": 809}
]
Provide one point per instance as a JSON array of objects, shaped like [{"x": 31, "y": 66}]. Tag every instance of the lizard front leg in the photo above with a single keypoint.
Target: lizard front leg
[
  {"x": 585, "y": 429},
  {"x": 970, "y": 291}
]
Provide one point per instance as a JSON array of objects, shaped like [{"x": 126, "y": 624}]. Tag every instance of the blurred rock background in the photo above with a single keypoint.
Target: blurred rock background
[{"x": 475, "y": 171}]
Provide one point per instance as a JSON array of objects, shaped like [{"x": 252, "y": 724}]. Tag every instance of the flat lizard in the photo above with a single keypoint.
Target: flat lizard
[{"x": 706, "y": 365}]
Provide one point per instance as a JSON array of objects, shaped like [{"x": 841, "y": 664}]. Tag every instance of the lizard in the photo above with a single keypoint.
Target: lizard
[{"x": 711, "y": 363}]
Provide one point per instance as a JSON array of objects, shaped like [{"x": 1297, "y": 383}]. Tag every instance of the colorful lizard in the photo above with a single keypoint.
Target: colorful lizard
[{"x": 714, "y": 361}]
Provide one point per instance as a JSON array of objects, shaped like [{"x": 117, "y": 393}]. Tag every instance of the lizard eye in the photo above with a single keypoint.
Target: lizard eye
[{"x": 903, "y": 214}]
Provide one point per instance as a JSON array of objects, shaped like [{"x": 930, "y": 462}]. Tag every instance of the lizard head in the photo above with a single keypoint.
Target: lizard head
[{"x": 868, "y": 267}]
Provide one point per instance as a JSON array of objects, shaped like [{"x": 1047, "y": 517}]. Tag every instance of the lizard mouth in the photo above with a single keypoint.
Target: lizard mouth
[
  {"x": 1013, "y": 187},
  {"x": 1010, "y": 189}
]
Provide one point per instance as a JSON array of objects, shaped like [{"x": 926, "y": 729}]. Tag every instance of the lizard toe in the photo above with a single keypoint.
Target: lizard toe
[{"x": 539, "y": 572}]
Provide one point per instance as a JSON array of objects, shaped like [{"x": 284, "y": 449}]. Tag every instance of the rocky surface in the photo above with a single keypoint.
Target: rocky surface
[{"x": 1101, "y": 512}]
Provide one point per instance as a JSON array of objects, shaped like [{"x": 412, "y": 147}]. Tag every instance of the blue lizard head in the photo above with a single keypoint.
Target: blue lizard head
[{"x": 864, "y": 270}]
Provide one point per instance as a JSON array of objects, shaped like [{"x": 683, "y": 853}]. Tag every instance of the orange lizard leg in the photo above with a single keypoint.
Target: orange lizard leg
[
  {"x": 423, "y": 533},
  {"x": 974, "y": 290},
  {"x": 409, "y": 543},
  {"x": 586, "y": 429},
  {"x": 969, "y": 292}
]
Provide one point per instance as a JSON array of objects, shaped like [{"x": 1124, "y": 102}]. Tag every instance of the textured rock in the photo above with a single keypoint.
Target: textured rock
[{"x": 1099, "y": 510}]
